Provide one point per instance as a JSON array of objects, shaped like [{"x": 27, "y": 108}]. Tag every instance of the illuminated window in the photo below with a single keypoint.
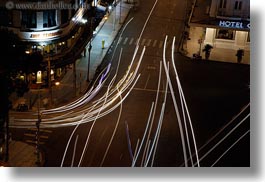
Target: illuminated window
[{"x": 225, "y": 34}]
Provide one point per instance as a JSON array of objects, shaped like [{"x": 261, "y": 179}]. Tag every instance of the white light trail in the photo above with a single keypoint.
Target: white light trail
[
  {"x": 231, "y": 131},
  {"x": 146, "y": 128},
  {"x": 182, "y": 98},
  {"x": 156, "y": 135},
  {"x": 165, "y": 101},
  {"x": 153, "y": 116},
  {"x": 230, "y": 147},
  {"x": 175, "y": 104}
]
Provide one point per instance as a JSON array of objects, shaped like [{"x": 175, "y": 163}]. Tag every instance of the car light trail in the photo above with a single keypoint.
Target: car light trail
[
  {"x": 146, "y": 128},
  {"x": 175, "y": 104},
  {"x": 230, "y": 147},
  {"x": 153, "y": 116},
  {"x": 231, "y": 131},
  {"x": 182, "y": 99}
]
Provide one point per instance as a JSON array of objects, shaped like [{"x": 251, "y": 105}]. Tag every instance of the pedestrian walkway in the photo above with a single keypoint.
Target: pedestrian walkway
[
  {"x": 217, "y": 54},
  {"x": 24, "y": 154}
]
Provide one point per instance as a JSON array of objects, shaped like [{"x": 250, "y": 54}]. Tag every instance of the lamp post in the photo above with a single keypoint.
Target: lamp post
[{"x": 88, "y": 61}]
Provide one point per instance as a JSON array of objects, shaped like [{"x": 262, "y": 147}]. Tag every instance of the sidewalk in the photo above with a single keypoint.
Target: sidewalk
[{"x": 22, "y": 154}]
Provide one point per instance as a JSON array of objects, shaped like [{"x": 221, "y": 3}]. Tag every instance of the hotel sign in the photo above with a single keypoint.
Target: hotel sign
[{"x": 234, "y": 24}]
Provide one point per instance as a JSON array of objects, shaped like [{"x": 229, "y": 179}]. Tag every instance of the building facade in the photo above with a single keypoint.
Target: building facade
[
  {"x": 226, "y": 23},
  {"x": 59, "y": 30}
]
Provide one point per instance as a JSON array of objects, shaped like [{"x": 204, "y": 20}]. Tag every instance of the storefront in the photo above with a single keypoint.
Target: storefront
[{"x": 228, "y": 34}]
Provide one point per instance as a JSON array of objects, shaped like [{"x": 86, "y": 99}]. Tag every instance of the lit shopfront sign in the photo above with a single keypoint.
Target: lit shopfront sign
[
  {"x": 234, "y": 24},
  {"x": 45, "y": 35}
]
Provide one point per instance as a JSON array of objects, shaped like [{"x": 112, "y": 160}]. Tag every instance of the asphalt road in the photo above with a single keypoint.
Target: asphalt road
[{"x": 215, "y": 92}]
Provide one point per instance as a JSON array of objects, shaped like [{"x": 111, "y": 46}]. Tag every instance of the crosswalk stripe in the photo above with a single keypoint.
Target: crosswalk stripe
[
  {"x": 154, "y": 43},
  {"x": 125, "y": 41},
  {"x": 120, "y": 39},
  {"x": 149, "y": 42},
  {"x": 41, "y": 130},
  {"x": 34, "y": 142},
  {"x": 143, "y": 41},
  {"x": 131, "y": 41},
  {"x": 34, "y": 135},
  {"x": 137, "y": 40}
]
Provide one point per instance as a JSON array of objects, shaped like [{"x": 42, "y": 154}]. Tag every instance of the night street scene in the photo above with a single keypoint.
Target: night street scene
[{"x": 125, "y": 83}]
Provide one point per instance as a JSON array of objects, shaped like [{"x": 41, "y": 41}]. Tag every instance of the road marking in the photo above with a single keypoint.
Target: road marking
[
  {"x": 34, "y": 135},
  {"x": 143, "y": 42},
  {"x": 42, "y": 130},
  {"x": 131, "y": 41},
  {"x": 120, "y": 40},
  {"x": 125, "y": 41},
  {"x": 137, "y": 40},
  {"x": 34, "y": 142},
  {"x": 149, "y": 42},
  {"x": 147, "y": 81},
  {"x": 149, "y": 67},
  {"x": 154, "y": 43},
  {"x": 160, "y": 44}
]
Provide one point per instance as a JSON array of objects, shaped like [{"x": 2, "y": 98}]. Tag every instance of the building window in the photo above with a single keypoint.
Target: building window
[
  {"x": 49, "y": 18},
  {"x": 29, "y": 19},
  {"x": 225, "y": 34},
  {"x": 238, "y": 5},
  {"x": 222, "y": 4}
]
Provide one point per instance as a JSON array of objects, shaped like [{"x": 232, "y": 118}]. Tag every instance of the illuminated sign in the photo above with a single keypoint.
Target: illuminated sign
[
  {"x": 45, "y": 35},
  {"x": 234, "y": 24}
]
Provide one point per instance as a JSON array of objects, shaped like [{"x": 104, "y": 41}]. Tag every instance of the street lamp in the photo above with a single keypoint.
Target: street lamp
[{"x": 88, "y": 61}]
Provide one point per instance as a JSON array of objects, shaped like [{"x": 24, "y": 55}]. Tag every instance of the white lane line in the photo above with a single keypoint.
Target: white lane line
[
  {"x": 125, "y": 41},
  {"x": 136, "y": 41},
  {"x": 148, "y": 42},
  {"x": 147, "y": 81},
  {"x": 120, "y": 39},
  {"x": 144, "y": 40},
  {"x": 131, "y": 41}
]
